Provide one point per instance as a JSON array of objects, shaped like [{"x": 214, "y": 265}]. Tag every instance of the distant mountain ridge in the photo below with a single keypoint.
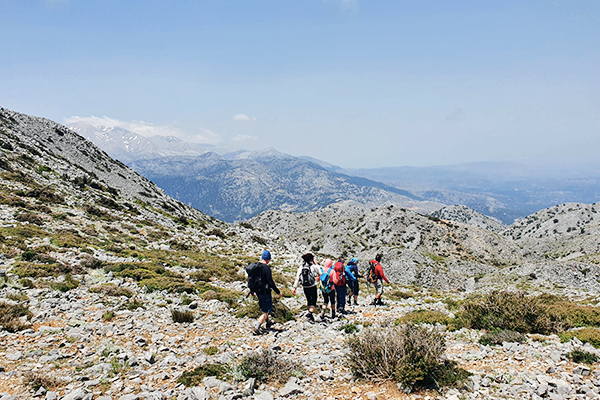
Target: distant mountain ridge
[
  {"x": 252, "y": 182},
  {"x": 127, "y": 146}
]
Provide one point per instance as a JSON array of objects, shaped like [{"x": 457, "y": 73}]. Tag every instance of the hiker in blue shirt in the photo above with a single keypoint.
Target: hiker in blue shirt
[{"x": 352, "y": 268}]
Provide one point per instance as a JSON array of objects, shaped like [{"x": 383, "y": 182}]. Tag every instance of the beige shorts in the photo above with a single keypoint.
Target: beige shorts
[{"x": 378, "y": 286}]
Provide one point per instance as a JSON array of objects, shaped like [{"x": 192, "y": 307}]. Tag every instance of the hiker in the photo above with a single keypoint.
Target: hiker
[
  {"x": 352, "y": 267},
  {"x": 327, "y": 286},
  {"x": 376, "y": 276},
  {"x": 260, "y": 282},
  {"x": 308, "y": 275},
  {"x": 341, "y": 276}
]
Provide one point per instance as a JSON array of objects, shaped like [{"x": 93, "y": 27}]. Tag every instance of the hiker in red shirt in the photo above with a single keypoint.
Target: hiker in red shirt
[{"x": 380, "y": 277}]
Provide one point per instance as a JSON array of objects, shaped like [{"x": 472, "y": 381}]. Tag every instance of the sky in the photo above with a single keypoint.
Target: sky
[{"x": 351, "y": 82}]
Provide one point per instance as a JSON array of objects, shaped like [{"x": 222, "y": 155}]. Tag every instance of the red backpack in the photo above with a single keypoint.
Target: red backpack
[{"x": 340, "y": 274}]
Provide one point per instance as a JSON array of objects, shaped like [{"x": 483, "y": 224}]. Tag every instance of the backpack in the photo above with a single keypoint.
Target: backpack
[
  {"x": 306, "y": 276},
  {"x": 255, "y": 280},
  {"x": 371, "y": 275},
  {"x": 324, "y": 280},
  {"x": 340, "y": 274}
]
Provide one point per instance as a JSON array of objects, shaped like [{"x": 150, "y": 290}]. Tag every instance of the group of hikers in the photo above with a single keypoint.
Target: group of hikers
[{"x": 334, "y": 281}]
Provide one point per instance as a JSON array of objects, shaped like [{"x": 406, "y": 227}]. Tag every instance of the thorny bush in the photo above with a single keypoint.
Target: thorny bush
[{"x": 410, "y": 354}]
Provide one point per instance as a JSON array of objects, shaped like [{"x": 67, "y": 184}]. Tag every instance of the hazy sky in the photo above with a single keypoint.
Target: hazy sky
[{"x": 355, "y": 83}]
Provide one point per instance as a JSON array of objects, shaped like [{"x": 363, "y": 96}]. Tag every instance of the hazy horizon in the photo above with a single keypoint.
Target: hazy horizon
[{"x": 355, "y": 84}]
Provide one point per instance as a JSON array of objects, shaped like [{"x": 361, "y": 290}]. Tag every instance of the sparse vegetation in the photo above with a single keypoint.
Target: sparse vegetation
[
  {"x": 583, "y": 357},
  {"x": 195, "y": 376},
  {"x": 11, "y": 315},
  {"x": 111, "y": 289},
  {"x": 586, "y": 335},
  {"x": 424, "y": 317},
  {"x": 501, "y": 336},
  {"x": 181, "y": 317},
  {"x": 67, "y": 284},
  {"x": 265, "y": 365}
]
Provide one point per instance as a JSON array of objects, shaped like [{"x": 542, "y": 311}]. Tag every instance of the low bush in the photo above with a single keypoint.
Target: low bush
[
  {"x": 349, "y": 328},
  {"x": 400, "y": 295},
  {"x": 583, "y": 357},
  {"x": 586, "y": 335},
  {"x": 10, "y": 317},
  {"x": 31, "y": 218},
  {"x": 108, "y": 315},
  {"x": 17, "y": 296},
  {"x": 37, "y": 380},
  {"x": 424, "y": 317},
  {"x": 499, "y": 337},
  {"x": 30, "y": 270},
  {"x": 182, "y": 316},
  {"x": 410, "y": 354},
  {"x": 518, "y": 312},
  {"x": 66, "y": 285},
  {"x": 279, "y": 314},
  {"x": 87, "y": 261},
  {"x": 111, "y": 289},
  {"x": 132, "y": 305},
  {"x": 27, "y": 283},
  {"x": 210, "y": 351},
  {"x": 266, "y": 365},
  {"x": 195, "y": 376}
]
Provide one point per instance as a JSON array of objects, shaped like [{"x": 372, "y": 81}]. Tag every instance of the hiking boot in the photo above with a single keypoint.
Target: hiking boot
[
  {"x": 380, "y": 302},
  {"x": 332, "y": 314},
  {"x": 355, "y": 302},
  {"x": 374, "y": 302},
  {"x": 269, "y": 324},
  {"x": 310, "y": 317},
  {"x": 257, "y": 332}
]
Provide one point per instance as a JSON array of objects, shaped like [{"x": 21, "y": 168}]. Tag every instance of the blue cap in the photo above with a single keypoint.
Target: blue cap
[
  {"x": 266, "y": 255},
  {"x": 354, "y": 260}
]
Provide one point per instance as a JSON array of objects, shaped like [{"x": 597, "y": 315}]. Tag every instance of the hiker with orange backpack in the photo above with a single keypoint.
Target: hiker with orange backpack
[
  {"x": 376, "y": 276},
  {"x": 341, "y": 276}
]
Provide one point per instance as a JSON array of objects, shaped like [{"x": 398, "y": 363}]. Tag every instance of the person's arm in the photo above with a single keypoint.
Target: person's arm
[
  {"x": 269, "y": 279},
  {"x": 379, "y": 273},
  {"x": 297, "y": 281}
]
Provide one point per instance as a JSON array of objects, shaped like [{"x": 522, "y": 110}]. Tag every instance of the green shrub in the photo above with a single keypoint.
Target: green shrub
[
  {"x": 499, "y": 337},
  {"x": 182, "y": 316},
  {"x": 195, "y": 376},
  {"x": 27, "y": 283},
  {"x": 280, "y": 313},
  {"x": 518, "y": 312},
  {"x": 66, "y": 285},
  {"x": 583, "y": 357},
  {"x": 586, "y": 335},
  {"x": 266, "y": 365},
  {"x": 10, "y": 317},
  {"x": 17, "y": 296},
  {"x": 108, "y": 315},
  {"x": 349, "y": 328},
  {"x": 132, "y": 305},
  {"x": 410, "y": 354},
  {"x": 424, "y": 317},
  {"x": 210, "y": 351},
  {"x": 400, "y": 295},
  {"x": 111, "y": 289}
]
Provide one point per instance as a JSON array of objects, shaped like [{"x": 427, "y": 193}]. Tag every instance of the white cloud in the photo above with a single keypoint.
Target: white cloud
[
  {"x": 243, "y": 117},
  {"x": 198, "y": 135},
  {"x": 241, "y": 138}
]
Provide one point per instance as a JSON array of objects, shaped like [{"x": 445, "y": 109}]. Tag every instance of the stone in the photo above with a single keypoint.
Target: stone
[
  {"x": 131, "y": 396},
  {"x": 50, "y": 395},
  {"x": 77, "y": 394},
  {"x": 14, "y": 356},
  {"x": 582, "y": 370},
  {"x": 249, "y": 386},
  {"x": 289, "y": 389},
  {"x": 371, "y": 395},
  {"x": 211, "y": 381},
  {"x": 263, "y": 395}
]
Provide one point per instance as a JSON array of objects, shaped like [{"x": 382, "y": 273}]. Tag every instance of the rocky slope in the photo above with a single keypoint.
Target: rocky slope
[
  {"x": 468, "y": 216},
  {"x": 240, "y": 188}
]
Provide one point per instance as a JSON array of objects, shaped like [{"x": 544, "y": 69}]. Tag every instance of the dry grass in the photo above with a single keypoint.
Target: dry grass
[
  {"x": 10, "y": 317},
  {"x": 410, "y": 354}
]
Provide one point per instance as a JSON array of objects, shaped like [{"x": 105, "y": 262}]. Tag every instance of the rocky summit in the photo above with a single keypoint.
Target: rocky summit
[{"x": 110, "y": 289}]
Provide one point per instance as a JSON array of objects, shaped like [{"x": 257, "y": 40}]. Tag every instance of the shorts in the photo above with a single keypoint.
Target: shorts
[
  {"x": 265, "y": 302},
  {"x": 311, "y": 296},
  {"x": 378, "y": 286}
]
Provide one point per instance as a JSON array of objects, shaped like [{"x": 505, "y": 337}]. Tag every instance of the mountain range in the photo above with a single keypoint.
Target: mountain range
[{"x": 238, "y": 185}]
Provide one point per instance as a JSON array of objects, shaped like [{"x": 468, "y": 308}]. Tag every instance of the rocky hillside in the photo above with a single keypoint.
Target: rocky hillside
[
  {"x": 418, "y": 249},
  {"x": 466, "y": 215},
  {"x": 242, "y": 187}
]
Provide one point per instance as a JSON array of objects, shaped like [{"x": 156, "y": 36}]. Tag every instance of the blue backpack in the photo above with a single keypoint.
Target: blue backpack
[{"x": 324, "y": 280}]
